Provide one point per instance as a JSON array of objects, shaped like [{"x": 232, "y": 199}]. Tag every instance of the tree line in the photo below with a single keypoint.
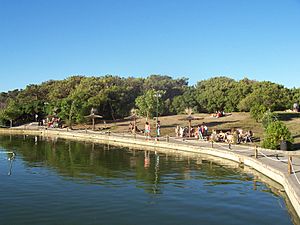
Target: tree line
[{"x": 114, "y": 97}]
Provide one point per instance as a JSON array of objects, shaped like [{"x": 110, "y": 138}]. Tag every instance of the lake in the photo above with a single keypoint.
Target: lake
[{"x": 56, "y": 181}]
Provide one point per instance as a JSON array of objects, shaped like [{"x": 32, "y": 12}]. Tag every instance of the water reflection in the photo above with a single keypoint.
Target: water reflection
[{"x": 10, "y": 156}]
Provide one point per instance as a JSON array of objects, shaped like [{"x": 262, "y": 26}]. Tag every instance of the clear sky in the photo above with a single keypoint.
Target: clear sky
[{"x": 198, "y": 39}]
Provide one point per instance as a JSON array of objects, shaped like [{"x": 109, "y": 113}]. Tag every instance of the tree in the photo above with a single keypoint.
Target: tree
[
  {"x": 147, "y": 103},
  {"x": 213, "y": 94},
  {"x": 11, "y": 112},
  {"x": 186, "y": 100},
  {"x": 272, "y": 96}
]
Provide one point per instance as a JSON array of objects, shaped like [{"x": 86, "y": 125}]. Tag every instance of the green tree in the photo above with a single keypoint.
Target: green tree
[
  {"x": 214, "y": 94},
  {"x": 147, "y": 103},
  {"x": 12, "y": 112},
  {"x": 272, "y": 96},
  {"x": 186, "y": 100}
]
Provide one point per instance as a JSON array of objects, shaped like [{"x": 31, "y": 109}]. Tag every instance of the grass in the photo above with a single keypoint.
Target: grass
[{"x": 240, "y": 120}]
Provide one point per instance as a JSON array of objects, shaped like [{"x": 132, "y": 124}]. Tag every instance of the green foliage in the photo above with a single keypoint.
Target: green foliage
[
  {"x": 149, "y": 103},
  {"x": 170, "y": 87},
  {"x": 268, "y": 118},
  {"x": 186, "y": 100},
  {"x": 295, "y": 95},
  {"x": 216, "y": 94},
  {"x": 257, "y": 112},
  {"x": 113, "y": 97},
  {"x": 272, "y": 96},
  {"x": 11, "y": 112},
  {"x": 275, "y": 133}
]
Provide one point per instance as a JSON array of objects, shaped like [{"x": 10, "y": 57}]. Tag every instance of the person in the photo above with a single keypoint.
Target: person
[
  {"x": 248, "y": 136},
  {"x": 147, "y": 130},
  {"x": 222, "y": 136},
  {"x": 130, "y": 128},
  {"x": 200, "y": 132},
  {"x": 205, "y": 129},
  {"x": 214, "y": 136},
  {"x": 181, "y": 131},
  {"x": 177, "y": 131},
  {"x": 158, "y": 129}
]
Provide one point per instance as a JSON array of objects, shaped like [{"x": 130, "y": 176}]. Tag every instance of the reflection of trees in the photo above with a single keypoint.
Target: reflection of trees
[{"x": 91, "y": 162}]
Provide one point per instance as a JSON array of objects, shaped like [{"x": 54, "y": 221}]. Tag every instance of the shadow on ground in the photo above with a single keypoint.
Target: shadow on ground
[{"x": 288, "y": 116}]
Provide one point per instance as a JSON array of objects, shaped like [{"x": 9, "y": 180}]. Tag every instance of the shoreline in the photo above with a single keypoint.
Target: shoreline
[{"x": 241, "y": 154}]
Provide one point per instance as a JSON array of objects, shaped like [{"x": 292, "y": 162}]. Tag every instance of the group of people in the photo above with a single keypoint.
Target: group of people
[
  {"x": 146, "y": 131},
  {"x": 133, "y": 128},
  {"x": 218, "y": 114},
  {"x": 238, "y": 136},
  {"x": 54, "y": 122},
  {"x": 200, "y": 132}
]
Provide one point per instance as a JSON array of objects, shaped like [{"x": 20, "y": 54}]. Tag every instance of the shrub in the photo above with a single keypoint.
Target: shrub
[
  {"x": 275, "y": 133},
  {"x": 268, "y": 117},
  {"x": 257, "y": 112}
]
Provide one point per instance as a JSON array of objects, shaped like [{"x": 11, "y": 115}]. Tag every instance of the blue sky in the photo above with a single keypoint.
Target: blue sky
[{"x": 54, "y": 39}]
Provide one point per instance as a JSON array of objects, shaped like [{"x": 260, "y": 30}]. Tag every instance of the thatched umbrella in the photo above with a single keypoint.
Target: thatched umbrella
[{"x": 93, "y": 116}]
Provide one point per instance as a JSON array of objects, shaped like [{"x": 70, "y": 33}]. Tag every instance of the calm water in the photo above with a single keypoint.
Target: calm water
[{"x": 64, "y": 182}]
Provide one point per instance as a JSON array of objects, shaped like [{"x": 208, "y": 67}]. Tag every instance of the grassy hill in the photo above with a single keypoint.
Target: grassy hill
[{"x": 240, "y": 120}]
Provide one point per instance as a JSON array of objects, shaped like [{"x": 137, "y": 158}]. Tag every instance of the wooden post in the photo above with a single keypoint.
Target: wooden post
[
  {"x": 255, "y": 151},
  {"x": 290, "y": 164}
]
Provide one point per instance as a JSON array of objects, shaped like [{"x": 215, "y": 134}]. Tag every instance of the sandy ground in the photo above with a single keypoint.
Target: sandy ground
[{"x": 240, "y": 120}]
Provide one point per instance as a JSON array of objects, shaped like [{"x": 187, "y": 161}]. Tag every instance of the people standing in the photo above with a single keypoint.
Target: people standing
[
  {"x": 200, "y": 130},
  {"x": 158, "y": 129},
  {"x": 205, "y": 129}
]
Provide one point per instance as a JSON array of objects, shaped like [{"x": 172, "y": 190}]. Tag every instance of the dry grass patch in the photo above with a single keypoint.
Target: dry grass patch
[{"x": 240, "y": 120}]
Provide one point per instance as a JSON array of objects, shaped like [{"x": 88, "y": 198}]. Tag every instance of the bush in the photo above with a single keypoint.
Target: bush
[
  {"x": 268, "y": 118},
  {"x": 257, "y": 112},
  {"x": 275, "y": 133}
]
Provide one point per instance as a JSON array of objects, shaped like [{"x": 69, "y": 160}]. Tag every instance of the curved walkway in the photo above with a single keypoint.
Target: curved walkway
[{"x": 272, "y": 163}]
